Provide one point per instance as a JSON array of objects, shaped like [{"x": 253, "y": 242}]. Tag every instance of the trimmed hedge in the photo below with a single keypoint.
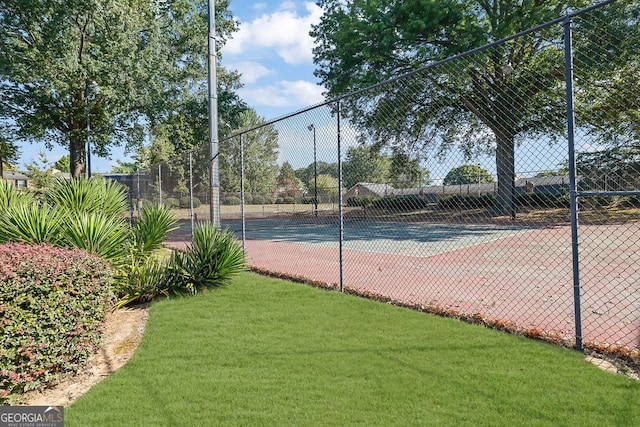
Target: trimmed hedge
[
  {"x": 467, "y": 201},
  {"x": 362, "y": 201},
  {"x": 53, "y": 303},
  {"x": 401, "y": 203}
]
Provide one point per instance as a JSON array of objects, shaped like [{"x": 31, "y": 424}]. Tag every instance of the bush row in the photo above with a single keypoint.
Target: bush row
[{"x": 53, "y": 303}]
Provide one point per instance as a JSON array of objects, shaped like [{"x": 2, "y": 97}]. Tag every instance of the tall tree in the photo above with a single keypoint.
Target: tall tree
[
  {"x": 468, "y": 174},
  {"x": 485, "y": 100},
  {"x": 260, "y": 156},
  {"x": 365, "y": 164},
  {"x": 141, "y": 54},
  {"x": 406, "y": 172}
]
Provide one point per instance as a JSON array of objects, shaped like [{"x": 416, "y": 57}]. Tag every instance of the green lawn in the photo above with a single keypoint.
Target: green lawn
[{"x": 270, "y": 352}]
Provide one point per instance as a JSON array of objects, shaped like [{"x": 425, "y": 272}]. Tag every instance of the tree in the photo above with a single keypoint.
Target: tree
[
  {"x": 484, "y": 101},
  {"x": 260, "y": 156},
  {"x": 62, "y": 164},
  {"x": 327, "y": 185},
  {"x": 40, "y": 171},
  {"x": 468, "y": 174},
  {"x": 365, "y": 164},
  {"x": 9, "y": 152},
  {"x": 406, "y": 172},
  {"x": 287, "y": 181},
  {"x": 143, "y": 56},
  {"x": 307, "y": 174}
]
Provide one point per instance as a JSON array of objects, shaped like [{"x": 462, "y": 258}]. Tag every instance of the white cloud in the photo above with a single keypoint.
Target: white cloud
[
  {"x": 288, "y": 4},
  {"x": 251, "y": 71},
  {"x": 284, "y": 31},
  {"x": 284, "y": 94},
  {"x": 259, "y": 6}
]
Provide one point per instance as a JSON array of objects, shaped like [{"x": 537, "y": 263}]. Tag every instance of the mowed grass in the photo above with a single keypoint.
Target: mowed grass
[{"x": 268, "y": 352}]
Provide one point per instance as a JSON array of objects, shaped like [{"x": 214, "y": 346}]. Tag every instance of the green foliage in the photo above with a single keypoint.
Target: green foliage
[
  {"x": 11, "y": 196},
  {"x": 543, "y": 200},
  {"x": 151, "y": 229},
  {"x": 259, "y": 199},
  {"x": 78, "y": 195},
  {"x": 211, "y": 261},
  {"x": 148, "y": 60},
  {"x": 467, "y": 201},
  {"x": 468, "y": 174},
  {"x": 171, "y": 202},
  {"x": 31, "y": 223},
  {"x": 362, "y": 201},
  {"x": 98, "y": 233},
  {"x": 52, "y": 305},
  {"x": 63, "y": 164},
  {"x": 365, "y": 164},
  {"x": 401, "y": 203},
  {"x": 232, "y": 200},
  {"x": 260, "y": 156}
]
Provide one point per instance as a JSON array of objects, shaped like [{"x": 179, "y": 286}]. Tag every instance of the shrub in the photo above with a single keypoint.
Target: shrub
[
  {"x": 171, "y": 202},
  {"x": 362, "y": 201},
  {"x": 30, "y": 223},
  {"x": 232, "y": 200},
  {"x": 467, "y": 201},
  {"x": 77, "y": 195},
  {"x": 543, "y": 200},
  {"x": 401, "y": 203},
  {"x": 211, "y": 261},
  {"x": 248, "y": 199},
  {"x": 10, "y": 196},
  {"x": 53, "y": 302},
  {"x": 152, "y": 227},
  {"x": 308, "y": 200},
  {"x": 259, "y": 199},
  {"x": 288, "y": 200},
  {"x": 279, "y": 200},
  {"x": 184, "y": 202}
]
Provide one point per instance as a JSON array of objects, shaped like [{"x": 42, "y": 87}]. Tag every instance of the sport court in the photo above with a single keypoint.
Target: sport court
[{"x": 519, "y": 274}]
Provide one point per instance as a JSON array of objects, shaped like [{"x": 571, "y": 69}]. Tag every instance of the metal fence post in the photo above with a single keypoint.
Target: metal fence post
[
  {"x": 160, "y": 183},
  {"x": 340, "y": 213},
  {"x": 191, "y": 213},
  {"x": 568, "y": 55},
  {"x": 242, "y": 207}
]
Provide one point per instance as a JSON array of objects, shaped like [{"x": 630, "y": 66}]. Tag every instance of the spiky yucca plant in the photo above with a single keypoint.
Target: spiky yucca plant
[
  {"x": 88, "y": 195},
  {"x": 213, "y": 258},
  {"x": 98, "y": 233},
  {"x": 9, "y": 195},
  {"x": 152, "y": 227},
  {"x": 30, "y": 222}
]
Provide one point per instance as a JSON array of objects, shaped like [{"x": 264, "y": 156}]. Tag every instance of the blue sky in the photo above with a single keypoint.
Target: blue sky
[{"x": 272, "y": 50}]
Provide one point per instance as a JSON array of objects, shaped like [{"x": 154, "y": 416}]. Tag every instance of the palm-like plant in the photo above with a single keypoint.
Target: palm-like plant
[
  {"x": 98, "y": 233},
  {"x": 213, "y": 258},
  {"x": 10, "y": 196},
  {"x": 152, "y": 227},
  {"x": 31, "y": 223},
  {"x": 88, "y": 195}
]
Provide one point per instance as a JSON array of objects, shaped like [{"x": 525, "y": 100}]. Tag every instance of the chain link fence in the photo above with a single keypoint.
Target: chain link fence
[{"x": 500, "y": 186}]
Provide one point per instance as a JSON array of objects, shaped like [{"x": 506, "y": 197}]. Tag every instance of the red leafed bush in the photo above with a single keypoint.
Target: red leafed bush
[{"x": 53, "y": 304}]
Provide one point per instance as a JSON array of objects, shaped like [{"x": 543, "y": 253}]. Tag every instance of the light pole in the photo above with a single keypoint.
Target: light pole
[
  {"x": 311, "y": 127},
  {"x": 95, "y": 89}
]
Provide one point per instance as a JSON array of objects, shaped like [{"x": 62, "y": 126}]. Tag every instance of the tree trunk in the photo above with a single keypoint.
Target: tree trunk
[
  {"x": 77, "y": 157},
  {"x": 505, "y": 166}
]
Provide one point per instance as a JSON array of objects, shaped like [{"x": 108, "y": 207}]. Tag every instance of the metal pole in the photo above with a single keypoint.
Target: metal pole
[
  {"x": 138, "y": 193},
  {"x": 312, "y": 127},
  {"x": 160, "y": 182},
  {"x": 191, "y": 213},
  {"x": 568, "y": 56},
  {"x": 214, "y": 182},
  {"x": 340, "y": 213},
  {"x": 242, "y": 207},
  {"x": 86, "y": 98}
]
